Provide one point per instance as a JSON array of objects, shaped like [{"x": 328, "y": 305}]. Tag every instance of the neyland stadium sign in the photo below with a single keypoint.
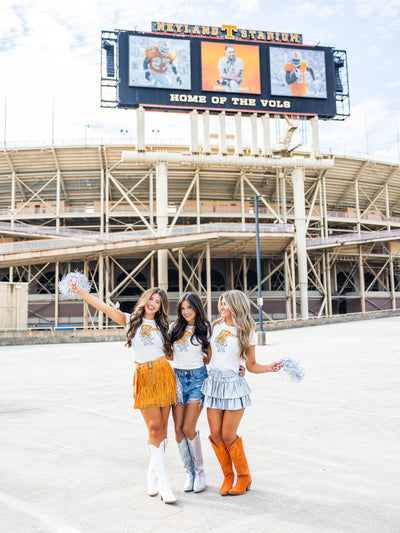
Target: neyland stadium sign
[{"x": 226, "y": 32}]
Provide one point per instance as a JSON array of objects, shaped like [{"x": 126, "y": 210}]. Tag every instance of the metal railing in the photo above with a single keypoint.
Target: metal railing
[
  {"x": 27, "y": 229},
  {"x": 92, "y": 238},
  {"x": 350, "y": 238}
]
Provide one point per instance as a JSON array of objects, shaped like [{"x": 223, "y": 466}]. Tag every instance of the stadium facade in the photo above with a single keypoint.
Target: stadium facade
[{"x": 182, "y": 217}]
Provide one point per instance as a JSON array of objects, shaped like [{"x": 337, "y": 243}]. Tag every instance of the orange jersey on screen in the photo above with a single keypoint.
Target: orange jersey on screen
[
  {"x": 159, "y": 62},
  {"x": 299, "y": 87}
]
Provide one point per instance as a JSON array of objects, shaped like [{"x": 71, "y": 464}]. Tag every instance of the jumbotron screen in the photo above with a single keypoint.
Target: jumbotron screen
[{"x": 178, "y": 72}]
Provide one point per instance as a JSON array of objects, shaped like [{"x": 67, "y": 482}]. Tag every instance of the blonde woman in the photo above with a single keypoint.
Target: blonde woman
[
  {"x": 154, "y": 379},
  {"x": 226, "y": 393}
]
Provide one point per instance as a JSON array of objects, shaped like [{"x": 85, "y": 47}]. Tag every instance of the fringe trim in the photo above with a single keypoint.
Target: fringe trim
[
  {"x": 179, "y": 391},
  {"x": 154, "y": 387}
]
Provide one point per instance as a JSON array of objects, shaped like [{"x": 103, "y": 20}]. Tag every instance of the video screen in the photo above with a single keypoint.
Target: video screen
[
  {"x": 233, "y": 68},
  {"x": 297, "y": 72},
  {"x": 159, "y": 63}
]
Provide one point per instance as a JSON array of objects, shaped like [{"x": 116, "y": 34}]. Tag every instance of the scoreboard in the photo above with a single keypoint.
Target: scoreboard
[{"x": 180, "y": 67}]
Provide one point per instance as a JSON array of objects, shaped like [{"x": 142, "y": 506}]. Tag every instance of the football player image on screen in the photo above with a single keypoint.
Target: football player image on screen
[
  {"x": 230, "y": 70},
  {"x": 296, "y": 75},
  {"x": 158, "y": 65}
]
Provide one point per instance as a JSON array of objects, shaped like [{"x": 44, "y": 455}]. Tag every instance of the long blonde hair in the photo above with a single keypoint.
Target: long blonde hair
[
  {"x": 161, "y": 317},
  {"x": 239, "y": 306}
]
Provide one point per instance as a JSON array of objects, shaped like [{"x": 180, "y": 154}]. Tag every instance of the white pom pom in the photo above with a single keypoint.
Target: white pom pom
[
  {"x": 292, "y": 369},
  {"x": 64, "y": 285}
]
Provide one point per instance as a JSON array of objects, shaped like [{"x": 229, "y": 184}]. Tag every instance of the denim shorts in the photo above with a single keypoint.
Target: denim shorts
[{"x": 189, "y": 384}]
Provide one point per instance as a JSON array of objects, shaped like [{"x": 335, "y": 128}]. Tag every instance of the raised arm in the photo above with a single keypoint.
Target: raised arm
[
  {"x": 257, "y": 368},
  {"x": 115, "y": 314}
]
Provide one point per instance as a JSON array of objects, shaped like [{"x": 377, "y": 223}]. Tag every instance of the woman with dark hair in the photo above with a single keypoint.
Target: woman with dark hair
[
  {"x": 191, "y": 352},
  {"x": 154, "y": 380}
]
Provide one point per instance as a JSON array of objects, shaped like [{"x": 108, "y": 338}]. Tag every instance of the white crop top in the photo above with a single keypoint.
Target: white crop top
[
  {"x": 147, "y": 344},
  {"x": 225, "y": 347},
  {"x": 188, "y": 355}
]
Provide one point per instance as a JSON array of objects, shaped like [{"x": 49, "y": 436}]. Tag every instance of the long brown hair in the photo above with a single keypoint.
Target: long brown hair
[
  {"x": 239, "y": 306},
  {"x": 202, "y": 326},
  {"x": 161, "y": 317}
]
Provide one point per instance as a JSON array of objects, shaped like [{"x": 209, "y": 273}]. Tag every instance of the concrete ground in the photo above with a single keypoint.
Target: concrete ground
[{"x": 324, "y": 454}]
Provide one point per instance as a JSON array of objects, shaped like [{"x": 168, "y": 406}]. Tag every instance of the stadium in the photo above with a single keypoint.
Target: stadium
[
  {"x": 304, "y": 234},
  {"x": 88, "y": 208},
  {"x": 246, "y": 199}
]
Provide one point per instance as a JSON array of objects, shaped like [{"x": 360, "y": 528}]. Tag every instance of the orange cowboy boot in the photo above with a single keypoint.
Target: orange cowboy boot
[
  {"x": 226, "y": 464},
  {"x": 238, "y": 457}
]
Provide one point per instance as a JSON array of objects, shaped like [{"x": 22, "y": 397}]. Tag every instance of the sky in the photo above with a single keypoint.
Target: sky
[{"x": 50, "y": 67}]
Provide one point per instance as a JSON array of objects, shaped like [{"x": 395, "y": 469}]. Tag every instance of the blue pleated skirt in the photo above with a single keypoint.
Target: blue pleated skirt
[{"x": 225, "y": 390}]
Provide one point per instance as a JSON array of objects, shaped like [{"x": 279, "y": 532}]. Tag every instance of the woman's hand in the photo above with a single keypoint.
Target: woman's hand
[
  {"x": 275, "y": 367},
  {"x": 242, "y": 371},
  {"x": 75, "y": 287},
  {"x": 257, "y": 368},
  {"x": 113, "y": 313}
]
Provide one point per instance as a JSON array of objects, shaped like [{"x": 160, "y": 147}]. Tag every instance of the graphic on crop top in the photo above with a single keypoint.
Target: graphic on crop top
[
  {"x": 183, "y": 343},
  {"x": 146, "y": 334},
  {"x": 221, "y": 341}
]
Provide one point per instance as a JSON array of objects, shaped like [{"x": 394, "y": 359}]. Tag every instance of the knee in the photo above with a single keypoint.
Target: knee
[
  {"x": 155, "y": 431},
  {"x": 188, "y": 429},
  {"x": 215, "y": 437},
  {"x": 228, "y": 439},
  {"x": 179, "y": 434}
]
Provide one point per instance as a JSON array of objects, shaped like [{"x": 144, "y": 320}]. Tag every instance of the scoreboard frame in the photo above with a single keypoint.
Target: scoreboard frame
[{"x": 124, "y": 58}]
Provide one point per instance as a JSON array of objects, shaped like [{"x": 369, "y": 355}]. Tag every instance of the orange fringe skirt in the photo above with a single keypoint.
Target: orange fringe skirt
[{"x": 154, "y": 384}]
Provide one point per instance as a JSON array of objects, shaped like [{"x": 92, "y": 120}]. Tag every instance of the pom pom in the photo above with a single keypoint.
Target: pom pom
[
  {"x": 292, "y": 369},
  {"x": 64, "y": 285}
]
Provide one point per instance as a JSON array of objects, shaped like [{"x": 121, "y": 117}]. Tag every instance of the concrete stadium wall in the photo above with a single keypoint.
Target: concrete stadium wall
[
  {"x": 13, "y": 305},
  {"x": 27, "y": 337}
]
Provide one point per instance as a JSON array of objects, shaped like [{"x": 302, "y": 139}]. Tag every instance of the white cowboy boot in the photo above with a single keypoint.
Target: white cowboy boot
[
  {"x": 187, "y": 463},
  {"x": 157, "y": 455},
  {"x": 152, "y": 488},
  {"x": 197, "y": 457}
]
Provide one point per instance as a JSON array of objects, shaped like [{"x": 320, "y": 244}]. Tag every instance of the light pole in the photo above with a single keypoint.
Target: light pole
[
  {"x": 86, "y": 128},
  {"x": 259, "y": 299}
]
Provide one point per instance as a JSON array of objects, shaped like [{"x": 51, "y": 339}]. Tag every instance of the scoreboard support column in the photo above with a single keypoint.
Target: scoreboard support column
[
  {"x": 162, "y": 221},
  {"x": 140, "y": 130},
  {"x": 238, "y": 129},
  {"x": 222, "y": 134},
  {"x": 206, "y": 133},
  {"x": 300, "y": 225},
  {"x": 315, "y": 149},
  {"x": 266, "y": 135},
  {"x": 194, "y": 132}
]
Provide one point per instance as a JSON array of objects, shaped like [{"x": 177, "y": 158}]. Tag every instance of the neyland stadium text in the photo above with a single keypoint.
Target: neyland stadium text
[{"x": 226, "y": 32}]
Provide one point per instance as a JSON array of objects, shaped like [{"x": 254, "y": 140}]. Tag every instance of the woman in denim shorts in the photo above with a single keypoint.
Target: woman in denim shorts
[{"x": 190, "y": 335}]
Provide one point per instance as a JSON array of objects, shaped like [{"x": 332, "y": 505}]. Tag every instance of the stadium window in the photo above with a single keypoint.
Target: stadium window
[
  {"x": 339, "y": 63},
  {"x": 131, "y": 289},
  {"x": 109, "y": 48},
  {"x": 217, "y": 280}
]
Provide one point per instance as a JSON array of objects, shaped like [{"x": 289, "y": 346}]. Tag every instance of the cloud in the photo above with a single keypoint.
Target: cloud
[
  {"x": 51, "y": 51},
  {"x": 362, "y": 134},
  {"x": 378, "y": 8}
]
